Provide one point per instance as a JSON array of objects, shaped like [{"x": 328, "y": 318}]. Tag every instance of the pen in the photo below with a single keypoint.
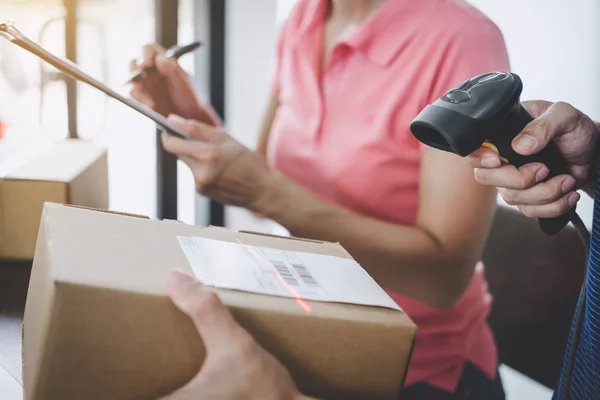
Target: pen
[{"x": 173, "y": 53}]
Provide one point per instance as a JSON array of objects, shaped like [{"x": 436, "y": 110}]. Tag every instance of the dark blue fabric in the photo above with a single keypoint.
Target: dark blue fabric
[
  {"x": 473, "y": 385},
  {"x": 585, "y": 384}
]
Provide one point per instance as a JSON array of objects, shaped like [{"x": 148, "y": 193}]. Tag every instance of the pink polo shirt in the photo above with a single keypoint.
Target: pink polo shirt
[{"x": 345, "y": 136}]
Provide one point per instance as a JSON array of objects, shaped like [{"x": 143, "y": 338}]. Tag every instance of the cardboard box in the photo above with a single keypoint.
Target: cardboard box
[
  {"x": 35, "y": 171},
  {"x": 99, "y": 325}
]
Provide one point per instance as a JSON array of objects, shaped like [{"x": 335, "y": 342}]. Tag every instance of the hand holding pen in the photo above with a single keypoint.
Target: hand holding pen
[
  {"x": 149, "y": 66},
  {"x": 165, "y": 87}
]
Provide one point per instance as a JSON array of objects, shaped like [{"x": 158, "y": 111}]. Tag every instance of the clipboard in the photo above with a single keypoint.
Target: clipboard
[{"x": 11, "y": 33}]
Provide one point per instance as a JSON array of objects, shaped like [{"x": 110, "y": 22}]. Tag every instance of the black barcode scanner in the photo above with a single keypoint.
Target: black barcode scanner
[{"x": 486, "y": 111}]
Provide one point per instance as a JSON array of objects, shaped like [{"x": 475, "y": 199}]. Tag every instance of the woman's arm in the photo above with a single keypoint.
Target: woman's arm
[
  {"x": 267, "y": 122},
  {"x": 432, "y": 261}
]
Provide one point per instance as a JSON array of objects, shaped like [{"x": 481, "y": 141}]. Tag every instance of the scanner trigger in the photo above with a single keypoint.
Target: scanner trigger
[{"x": 489, "y": 145}]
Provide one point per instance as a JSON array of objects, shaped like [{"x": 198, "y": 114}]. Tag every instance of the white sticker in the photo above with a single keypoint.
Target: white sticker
[{"x": 284, "y": 273}]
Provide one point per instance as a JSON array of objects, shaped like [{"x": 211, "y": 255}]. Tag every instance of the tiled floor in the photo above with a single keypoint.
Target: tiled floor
[
  {"x": 9, "y": 387},
  {"x": 10, "y": 357},
  {"x": 10, "y": 345}
]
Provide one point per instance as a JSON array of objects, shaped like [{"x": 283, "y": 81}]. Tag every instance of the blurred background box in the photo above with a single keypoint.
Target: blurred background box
[{"x": 34, "y": 171}]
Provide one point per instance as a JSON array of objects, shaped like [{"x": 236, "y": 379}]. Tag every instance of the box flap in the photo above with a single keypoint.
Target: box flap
[
  {"x": 280, "y": 237},
  {"x": 106, "y": 211},
  {"x": 14, "y": 153},
  {"x": 60, "y": 161},
  {"x": 8, "y": 147}
]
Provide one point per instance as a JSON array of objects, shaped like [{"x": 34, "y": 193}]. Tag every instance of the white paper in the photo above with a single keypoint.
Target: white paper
[{"x": 284, "y": 273}]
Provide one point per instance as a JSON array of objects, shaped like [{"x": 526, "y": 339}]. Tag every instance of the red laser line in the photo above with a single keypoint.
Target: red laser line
[{"x": 297, "y": 297}]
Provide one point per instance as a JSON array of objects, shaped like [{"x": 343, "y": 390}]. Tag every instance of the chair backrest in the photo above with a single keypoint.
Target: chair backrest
[{"x": 534, "y": 280}]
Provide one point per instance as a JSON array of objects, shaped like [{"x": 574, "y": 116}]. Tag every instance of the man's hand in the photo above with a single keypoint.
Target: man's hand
[
  {"x": 224, "y": 170},
  {"x": 236, "y": 367},
  {"x": 575, "y": 135},
  {"x": 169, "y": 90}
]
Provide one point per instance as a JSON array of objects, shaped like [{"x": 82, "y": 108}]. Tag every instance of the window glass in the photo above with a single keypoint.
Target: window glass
[{"x": 33, "y": 96}]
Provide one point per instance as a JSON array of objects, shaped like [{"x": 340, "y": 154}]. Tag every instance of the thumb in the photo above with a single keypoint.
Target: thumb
[
  {"x": 557, "y": 119},
  {"x": 213, "y": 321},
  {"x": 534, "y": 137}
]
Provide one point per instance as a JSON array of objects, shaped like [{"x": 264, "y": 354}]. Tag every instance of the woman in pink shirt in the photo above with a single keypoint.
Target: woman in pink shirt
[{"x": 336, "y": 161}]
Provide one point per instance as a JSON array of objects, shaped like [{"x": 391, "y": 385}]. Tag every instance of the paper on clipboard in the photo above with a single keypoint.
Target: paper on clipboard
[{"x": 11, "y": 33}]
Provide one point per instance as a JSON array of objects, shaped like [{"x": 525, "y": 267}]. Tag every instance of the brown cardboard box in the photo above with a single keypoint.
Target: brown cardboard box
[
  {"x": 98, "y": 323},
  {"x": 35, "y": 171}
]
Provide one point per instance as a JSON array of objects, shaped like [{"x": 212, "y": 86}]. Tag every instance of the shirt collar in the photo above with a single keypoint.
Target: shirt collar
[
  {"x": 314, "y": 16},
  {"x": 382, "y": 35},
  {"x": 378, "y": 37}
]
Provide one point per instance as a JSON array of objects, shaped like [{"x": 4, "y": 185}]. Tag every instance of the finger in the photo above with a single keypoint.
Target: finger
[
  {"x": 536, "y": 107},
  {"x": 203, "y": 172},
  {"x": 169, "y": 67},
  {"x": 142, "y": 96},
  {"x": 211, "y": 318},
  {"x": 150, "y": 51},
  {"x": 483, "y": 158},
  {"x": 193, "y": 150},
  {"x": 557, "y": 119},
  {"x": 195, "y": 129},
  {"x": 540, "y": 194},
  {"x": 553, "y": 209},
  {"x": 179, "y": 81},
  {"x": 510, "y": 177}
]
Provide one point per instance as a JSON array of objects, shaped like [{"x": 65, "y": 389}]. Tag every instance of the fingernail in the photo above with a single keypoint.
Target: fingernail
[
  {"x": 573, "y": 198},
  {"x": 176, "y": 119},
  {"x": 525, "y": 141},
  {"x": 541, "y": 174},
  {"x": 490, "y": 162},
  {"x": 568, "y": 185}
]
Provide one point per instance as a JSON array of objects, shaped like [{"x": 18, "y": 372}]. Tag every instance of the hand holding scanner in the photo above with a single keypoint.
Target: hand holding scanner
[{"x": 486, "y": 111}]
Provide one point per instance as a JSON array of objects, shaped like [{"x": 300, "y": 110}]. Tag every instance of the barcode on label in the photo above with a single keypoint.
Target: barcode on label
[
  {"x": 285, "y": 273},
  {"x": 305, "y": 275}
]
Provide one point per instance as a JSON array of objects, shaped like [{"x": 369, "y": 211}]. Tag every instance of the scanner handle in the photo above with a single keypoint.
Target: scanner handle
[{"x": 549, "y": 156}]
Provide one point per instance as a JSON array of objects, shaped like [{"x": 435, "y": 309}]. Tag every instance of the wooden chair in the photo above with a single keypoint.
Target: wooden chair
[{"x": 535, "y": 281}]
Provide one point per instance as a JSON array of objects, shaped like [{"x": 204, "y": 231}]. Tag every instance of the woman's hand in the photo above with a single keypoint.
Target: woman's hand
[
  {"x": 224, "y": 170},
  {"x": 575, "y": 136},
  {"x": 169, "y": 90},
  {"x": 236, "y": 366}
]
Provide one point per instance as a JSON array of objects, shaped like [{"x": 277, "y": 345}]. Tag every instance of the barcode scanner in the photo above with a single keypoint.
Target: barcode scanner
[{"x": 485, "y": 111}]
